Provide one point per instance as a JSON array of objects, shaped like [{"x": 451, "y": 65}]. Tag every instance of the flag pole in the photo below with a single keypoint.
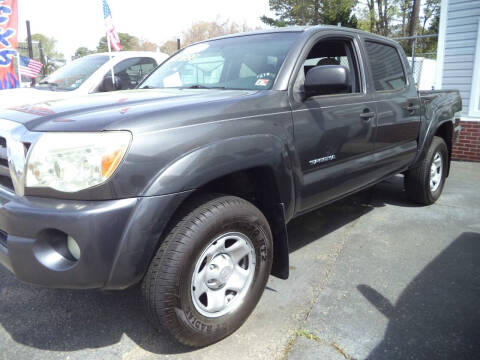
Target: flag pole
[
  {"x": 110, "y": 56},
  {"x": 18, "y": 69}
]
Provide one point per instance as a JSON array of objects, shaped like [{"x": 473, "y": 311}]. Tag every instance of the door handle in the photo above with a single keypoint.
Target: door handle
[
  {"x": 366, "y": 116},
  {"x": 412, "y": 108}
]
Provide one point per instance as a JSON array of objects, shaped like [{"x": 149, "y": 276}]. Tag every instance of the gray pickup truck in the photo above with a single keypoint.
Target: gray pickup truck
[{"x": 186, "y": 184}]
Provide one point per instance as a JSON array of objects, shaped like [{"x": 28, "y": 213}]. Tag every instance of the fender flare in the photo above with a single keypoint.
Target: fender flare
[
  {"x": 204, "y": 164},
  {"x": 439, "y": 118}
]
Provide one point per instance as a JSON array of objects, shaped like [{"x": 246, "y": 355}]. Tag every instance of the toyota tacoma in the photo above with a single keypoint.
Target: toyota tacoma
[{"x": 186, "y": 183}]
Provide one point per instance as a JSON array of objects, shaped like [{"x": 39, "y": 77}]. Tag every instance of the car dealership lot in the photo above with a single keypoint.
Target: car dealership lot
[{"x": 384, "y": 279}]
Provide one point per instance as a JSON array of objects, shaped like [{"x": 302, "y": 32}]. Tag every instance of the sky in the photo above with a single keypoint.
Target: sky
[{"x": 75, "y": 23}]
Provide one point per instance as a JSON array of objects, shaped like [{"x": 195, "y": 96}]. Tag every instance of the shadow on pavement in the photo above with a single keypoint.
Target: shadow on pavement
[
  {"x": 314, "y": 225},
  {"x": 69, "y": 320},
  {"x": 63, "y": 320},
  {"x": 438, "y": 315}
]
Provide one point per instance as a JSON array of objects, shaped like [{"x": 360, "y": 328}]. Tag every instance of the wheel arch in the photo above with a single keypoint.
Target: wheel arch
[
  {"x": 258, "y": 186},
  {"x": 256, "y": 168},
  {"x": 442, "y": 129}
]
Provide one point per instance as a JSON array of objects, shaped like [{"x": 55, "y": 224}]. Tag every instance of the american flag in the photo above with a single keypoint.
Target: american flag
[
  {"x": 112, "y": 35},
  {"x": 29, "y": 67}
]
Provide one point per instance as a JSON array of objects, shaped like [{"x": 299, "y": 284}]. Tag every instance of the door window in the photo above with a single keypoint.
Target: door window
[
  {"x": 132, "y": 71},
  {"x": 386, "y": 66},
  {"x": 332, "y": 52}
]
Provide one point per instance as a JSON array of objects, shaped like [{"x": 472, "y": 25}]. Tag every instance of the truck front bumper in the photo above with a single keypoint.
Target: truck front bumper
[{"x": 116, "y": 238}]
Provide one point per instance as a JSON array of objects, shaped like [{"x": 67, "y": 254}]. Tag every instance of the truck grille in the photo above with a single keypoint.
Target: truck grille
[{"x": 5, "y": 179}]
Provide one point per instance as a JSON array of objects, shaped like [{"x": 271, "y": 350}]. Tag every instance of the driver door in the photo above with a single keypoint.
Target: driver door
[{"x": 334, "y": 133}]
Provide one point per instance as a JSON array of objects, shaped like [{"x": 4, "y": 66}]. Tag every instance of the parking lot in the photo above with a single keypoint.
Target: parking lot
[{"x": 372, "y": 277}]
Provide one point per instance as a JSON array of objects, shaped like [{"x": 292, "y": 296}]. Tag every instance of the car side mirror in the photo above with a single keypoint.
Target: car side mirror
[
  {"x": 327, "y": 79},
  {"x": 109, "y": 85}
]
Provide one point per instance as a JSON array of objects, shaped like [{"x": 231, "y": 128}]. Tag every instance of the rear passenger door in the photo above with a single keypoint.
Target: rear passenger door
[{"x": 397, "y": 106}]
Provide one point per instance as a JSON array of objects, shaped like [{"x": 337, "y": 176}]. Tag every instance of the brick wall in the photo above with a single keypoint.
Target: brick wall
[{"x": 468, "y": 146}]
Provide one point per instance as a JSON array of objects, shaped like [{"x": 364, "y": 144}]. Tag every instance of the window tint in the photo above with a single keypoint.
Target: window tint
[
  {"x": 386, "y": 66},
  {"x": 131, "y": 71}
]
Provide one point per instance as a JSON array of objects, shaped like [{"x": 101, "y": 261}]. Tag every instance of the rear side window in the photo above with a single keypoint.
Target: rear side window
[{"x": 386, "y": 66}]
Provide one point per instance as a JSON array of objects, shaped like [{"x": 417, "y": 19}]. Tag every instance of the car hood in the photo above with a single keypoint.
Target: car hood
[
  {"x": 132, "y": 110},
  {"x": 16, "y": 97}
]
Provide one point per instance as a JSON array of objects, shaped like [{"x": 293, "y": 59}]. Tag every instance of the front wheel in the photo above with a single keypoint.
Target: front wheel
[
  {"x": 424, "y": 184},
  {"x": 210, "y": 270}
]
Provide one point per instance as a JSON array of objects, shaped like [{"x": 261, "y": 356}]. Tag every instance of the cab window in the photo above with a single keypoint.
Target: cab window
[
  {"x": 132, "y": 71},
  {"x": 332, "y": 52},
  {"x": 385, "y": 66}
]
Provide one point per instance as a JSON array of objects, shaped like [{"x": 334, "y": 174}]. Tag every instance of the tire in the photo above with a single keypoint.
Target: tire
[
  {"x": 424, "y": 184},
  {"x": 204, "y": 245}
]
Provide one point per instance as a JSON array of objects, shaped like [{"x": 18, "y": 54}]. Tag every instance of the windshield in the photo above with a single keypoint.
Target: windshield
[
  {"x": 245, "y": 62},
  {"x": 71, "y": 76}
]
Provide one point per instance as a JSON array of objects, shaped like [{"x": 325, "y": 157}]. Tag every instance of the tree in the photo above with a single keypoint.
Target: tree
[
  {"x": 128, "y": 42},
  {"x": 414, "y": 17},
  {"x": 312, "y": 12},
  {"x": 293, "y": 12},
  {"x": 51, "y": 59},
  {"x": 81, "y": 52},
  {"x": 145, "y": 45},
  {"x": 204, "y": 30},
  {"x": 335, "y": 12},
  {"x": 48, "y": 46},
  {"x": 169, "y": 47}
]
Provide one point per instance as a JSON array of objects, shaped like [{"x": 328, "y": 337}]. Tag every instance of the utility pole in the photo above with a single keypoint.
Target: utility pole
[
  {"x": 178, "y": 44},
  {"x": 42, "y": 59}
]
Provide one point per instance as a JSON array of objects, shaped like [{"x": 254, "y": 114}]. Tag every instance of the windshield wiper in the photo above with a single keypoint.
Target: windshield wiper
[
  {"x": 198, "y": 86},
  {"x": 148, "y": 87}
]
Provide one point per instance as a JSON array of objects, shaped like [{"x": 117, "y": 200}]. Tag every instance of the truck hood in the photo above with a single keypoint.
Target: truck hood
[
  {"x": 153, "y": 109},
  {"x": 16, "y": 97}
]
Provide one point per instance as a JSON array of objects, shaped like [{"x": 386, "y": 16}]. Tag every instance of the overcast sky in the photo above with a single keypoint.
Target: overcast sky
[{"x": 76, "y": 23}]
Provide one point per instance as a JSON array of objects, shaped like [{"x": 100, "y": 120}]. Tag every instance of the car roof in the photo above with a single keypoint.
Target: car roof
[
  {"x": 304, "y": 29},
  {"x": 128, "y": 54}
]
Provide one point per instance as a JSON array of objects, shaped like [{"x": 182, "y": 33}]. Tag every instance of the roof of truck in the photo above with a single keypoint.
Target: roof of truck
[{"x": 301, "y": 29}]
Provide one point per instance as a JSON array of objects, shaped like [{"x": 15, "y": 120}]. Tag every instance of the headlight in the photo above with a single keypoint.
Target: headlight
[{"x": 71, "y": 162}]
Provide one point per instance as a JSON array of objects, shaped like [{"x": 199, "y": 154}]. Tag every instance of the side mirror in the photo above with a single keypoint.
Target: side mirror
[
  {"x": 109, "y": 85},
  {"x": 327, "y": 79}
]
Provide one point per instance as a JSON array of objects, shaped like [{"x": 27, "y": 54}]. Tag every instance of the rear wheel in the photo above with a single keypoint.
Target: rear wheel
[
  {"x": 210, "y": 270},
  {"x": 424, "y": 184}
]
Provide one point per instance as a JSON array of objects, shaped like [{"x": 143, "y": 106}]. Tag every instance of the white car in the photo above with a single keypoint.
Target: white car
[{"x": 87, "y": 75}]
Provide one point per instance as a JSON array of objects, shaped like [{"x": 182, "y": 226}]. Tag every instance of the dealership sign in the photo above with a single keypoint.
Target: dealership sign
[{"x": 8, "y": 43}]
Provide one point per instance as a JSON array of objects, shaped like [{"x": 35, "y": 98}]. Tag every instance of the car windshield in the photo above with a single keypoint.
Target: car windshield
[
  {"x": 245, "y": 62},
  {"x": 74, "y": 74}
]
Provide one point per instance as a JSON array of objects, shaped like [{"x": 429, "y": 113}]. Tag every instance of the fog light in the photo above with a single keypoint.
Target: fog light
[{"x": 73, "y": 247}]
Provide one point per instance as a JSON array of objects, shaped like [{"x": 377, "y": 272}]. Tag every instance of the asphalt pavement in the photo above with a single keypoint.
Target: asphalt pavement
[{"x": 372, "y": 276}]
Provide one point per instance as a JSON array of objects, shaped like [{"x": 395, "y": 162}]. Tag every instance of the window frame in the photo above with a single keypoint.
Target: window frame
[
  {"x": 474, "y": 103},
  {"x": 353, "y": 39},
  {"x": 369, "y": 64}
]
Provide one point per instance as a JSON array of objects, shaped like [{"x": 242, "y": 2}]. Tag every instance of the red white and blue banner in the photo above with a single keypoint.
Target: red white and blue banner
[
  {"x": 8, "y": 43},
  {"x": 112, "y": 36}
]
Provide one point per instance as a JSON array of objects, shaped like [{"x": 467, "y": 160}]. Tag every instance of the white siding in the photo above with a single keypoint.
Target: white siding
[{"x": 460, "y": 47}]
